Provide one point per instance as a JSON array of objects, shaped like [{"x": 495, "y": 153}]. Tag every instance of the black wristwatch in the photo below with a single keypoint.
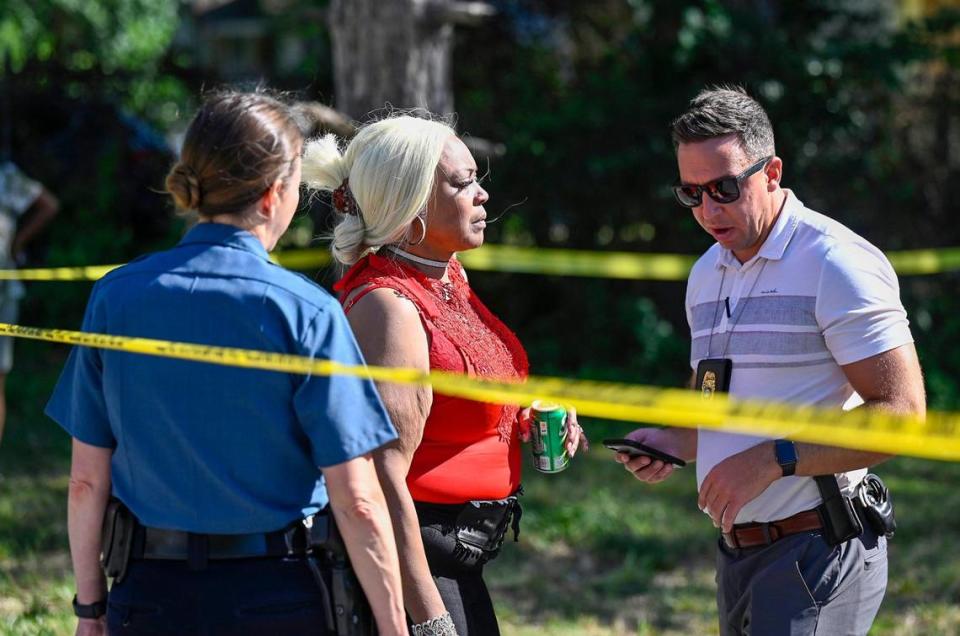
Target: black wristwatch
[
  {"x": 786, "y": 452},
  {"x": 93, "y": 610}
]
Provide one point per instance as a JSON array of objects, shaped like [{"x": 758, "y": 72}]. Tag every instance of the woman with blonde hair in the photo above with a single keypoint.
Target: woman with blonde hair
[{"x": 408, "y": 198}]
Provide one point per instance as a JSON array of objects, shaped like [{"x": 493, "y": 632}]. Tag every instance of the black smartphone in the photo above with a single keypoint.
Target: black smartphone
[{"x": 633, "y": 449}]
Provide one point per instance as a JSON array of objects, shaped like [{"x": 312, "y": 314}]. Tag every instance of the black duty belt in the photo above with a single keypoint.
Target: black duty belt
[{"x": 161, "y": 544}]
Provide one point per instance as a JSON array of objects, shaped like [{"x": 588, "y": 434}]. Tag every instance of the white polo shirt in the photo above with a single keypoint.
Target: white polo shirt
[{"x": 816, "y": 296}]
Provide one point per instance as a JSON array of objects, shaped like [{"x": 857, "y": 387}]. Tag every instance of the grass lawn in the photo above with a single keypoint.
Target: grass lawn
[{"x": 599, "y": 554}]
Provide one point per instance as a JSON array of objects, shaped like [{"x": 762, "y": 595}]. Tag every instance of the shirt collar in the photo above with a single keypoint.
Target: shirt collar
[
  {"x": 778, "y": 239},
  {"x": 224, "y": 234}
]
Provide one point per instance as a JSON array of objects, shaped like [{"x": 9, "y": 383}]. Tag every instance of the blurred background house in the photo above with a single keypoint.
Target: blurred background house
[{"x": 250, "y": 40}]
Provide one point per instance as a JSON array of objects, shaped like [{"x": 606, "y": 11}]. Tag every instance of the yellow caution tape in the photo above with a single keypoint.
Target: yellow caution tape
[
  {"x": 91, "y": 272},
  {"x": 535, "y": 260},
  {"x": 934, "y": 261},
  {"x": 531, "y": 260},
  {"x": 938, "y": 437},
  {"x": 303, "y": 260},
  {"x": 557, "y": 262}
]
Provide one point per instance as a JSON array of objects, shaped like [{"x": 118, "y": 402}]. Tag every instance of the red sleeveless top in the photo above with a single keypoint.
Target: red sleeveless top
[{"x": 470, "y": 450}]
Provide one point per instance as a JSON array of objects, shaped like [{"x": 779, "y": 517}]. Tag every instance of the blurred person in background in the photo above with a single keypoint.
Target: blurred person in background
[
  {"x": 790, "y": 306},
  {"x": 26, "y": 208},
  {"x": 409, "y": 198},
  {"x": 215, "y": 469}
]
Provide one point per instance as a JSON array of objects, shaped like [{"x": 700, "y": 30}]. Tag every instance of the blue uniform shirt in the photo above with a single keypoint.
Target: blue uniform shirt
[{"x": 208, "y": 448}]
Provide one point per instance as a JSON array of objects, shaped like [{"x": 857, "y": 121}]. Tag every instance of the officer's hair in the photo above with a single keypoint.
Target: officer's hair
[
  {"x": 236, "y": 147},
  {"x": 389, "y": 169},
  {"x": 724, "y": 110}
]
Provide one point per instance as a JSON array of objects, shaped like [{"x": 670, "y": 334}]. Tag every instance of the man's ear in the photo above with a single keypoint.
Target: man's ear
[{"x": 774, "y": 172}]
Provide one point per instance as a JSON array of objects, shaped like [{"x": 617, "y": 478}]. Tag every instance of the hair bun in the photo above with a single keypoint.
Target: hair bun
[{"x": 183, "y": 184}]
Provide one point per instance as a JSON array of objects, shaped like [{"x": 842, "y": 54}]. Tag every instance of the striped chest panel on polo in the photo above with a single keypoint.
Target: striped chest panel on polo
[{"x": 766, "y": 329}]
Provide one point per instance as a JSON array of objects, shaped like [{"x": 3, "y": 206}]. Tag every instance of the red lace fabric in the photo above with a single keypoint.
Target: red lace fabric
[{"x": 470, "y": 450}]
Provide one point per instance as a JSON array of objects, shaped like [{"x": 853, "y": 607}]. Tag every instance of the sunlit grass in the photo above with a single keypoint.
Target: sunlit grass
[{"x": 603, "y": 554}]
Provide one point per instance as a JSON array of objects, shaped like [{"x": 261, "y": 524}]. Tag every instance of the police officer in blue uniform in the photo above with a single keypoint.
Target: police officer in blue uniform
[{"x": 218, "y": 466}]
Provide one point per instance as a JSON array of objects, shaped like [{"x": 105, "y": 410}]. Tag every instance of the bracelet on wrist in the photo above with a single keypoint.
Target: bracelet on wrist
[{"x": 439, "y": 626}]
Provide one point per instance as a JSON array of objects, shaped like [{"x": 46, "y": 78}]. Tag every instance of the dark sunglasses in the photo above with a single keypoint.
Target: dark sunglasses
[{"x": 725, "y": 190}]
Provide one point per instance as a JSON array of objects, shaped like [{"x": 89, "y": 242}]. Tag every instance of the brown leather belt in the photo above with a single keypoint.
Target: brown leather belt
[{"x": 751, "y": 535}]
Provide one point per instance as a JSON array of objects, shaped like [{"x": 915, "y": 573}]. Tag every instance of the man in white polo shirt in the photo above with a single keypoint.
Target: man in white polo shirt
[{"x": 791, "y": 306}]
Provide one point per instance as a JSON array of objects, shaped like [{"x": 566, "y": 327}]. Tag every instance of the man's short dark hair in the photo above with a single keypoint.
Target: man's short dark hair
[{"x": 725, "y": 110}]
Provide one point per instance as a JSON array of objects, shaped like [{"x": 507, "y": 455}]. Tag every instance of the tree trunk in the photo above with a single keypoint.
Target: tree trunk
[{"x": 391, "y": 53}]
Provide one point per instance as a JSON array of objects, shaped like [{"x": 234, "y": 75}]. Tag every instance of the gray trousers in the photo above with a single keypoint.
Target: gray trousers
[{"x": 799, "y": 585}]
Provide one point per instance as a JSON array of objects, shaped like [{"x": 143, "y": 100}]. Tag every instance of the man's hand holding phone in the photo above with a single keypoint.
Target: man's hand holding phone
[{"x": 658, "y": 453}]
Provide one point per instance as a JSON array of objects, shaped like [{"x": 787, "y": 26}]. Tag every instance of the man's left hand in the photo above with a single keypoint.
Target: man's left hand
[{"x": 736, "y": 481}]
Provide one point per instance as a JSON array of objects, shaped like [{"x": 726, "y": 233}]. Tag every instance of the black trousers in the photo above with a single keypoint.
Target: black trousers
[
  {"x": 458, "y": 574},
  {"x": 237, "y": 597}
]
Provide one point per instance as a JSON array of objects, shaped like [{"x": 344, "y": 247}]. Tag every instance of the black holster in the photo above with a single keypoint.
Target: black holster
[
  {"x": 872, "y": 499},
  {"x": 481, "y": 526},
  {"x": 116, "y": 539},
  {"x": 330, "y": 564},
  {"x": 843, "y": 517}
]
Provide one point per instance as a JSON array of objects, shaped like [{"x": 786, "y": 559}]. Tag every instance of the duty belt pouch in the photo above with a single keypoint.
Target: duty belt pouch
[
  {"x": 840, "y": 520},
  {"x": 876, "y": 506},
  {"x": 116, "y": 539},
  {"x": 482, "y": 525},
  {"x": 351, "y": 610}
]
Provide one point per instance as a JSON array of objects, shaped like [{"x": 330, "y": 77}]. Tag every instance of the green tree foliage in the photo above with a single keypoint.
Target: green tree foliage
[
  {"x": 583, "y": 98},
  {"x": 864, "y": 103},
  {"x": 83, "y": 80},
  {"x": 81, "y": 36},
  {"x": 94, "y": 49}
]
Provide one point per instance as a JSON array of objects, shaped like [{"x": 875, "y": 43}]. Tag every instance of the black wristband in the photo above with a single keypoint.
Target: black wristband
[{"x": 93, "y": 610}]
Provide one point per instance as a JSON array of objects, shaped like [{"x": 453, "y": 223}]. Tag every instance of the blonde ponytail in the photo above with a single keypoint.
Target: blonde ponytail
[
  {"x": 323, "y": 165},
  {"x": 348, "y": 245}
]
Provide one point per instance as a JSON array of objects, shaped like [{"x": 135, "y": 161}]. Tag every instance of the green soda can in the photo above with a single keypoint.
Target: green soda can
[{"x": 548, "y": 432}]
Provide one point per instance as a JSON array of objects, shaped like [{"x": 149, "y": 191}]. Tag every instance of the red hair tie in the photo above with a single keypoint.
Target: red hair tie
[{"x": 343, "y": 201}]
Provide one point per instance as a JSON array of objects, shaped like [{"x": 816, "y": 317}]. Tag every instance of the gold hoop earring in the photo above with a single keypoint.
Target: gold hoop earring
[{"x": 423, "y": 226}]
